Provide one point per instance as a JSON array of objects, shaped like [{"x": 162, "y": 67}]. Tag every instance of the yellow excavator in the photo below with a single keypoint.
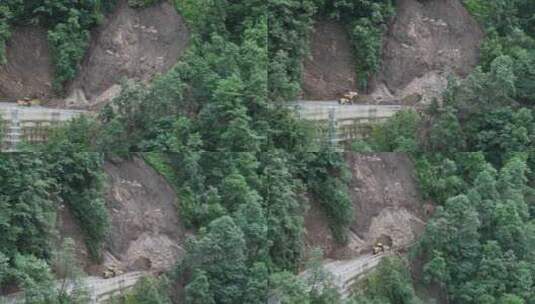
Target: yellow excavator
[
  {"x": 378, "y": 249},
  {"x": 111, "y": 271},
  {"x": 349, "y": 98},
  {"x": 28, "y": 102}
]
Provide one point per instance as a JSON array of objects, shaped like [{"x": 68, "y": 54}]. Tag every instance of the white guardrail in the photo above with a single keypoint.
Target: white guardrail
[
  {"x": 342, "y": 122},
  {"x": 29, "y": 123}
]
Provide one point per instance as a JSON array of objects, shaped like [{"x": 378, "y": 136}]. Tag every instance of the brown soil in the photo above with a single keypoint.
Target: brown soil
[
  {"x": 146, "y": 231},
  {"x": 29, "y": 71},
  {"x": 426, "y": 41},
  {"x": 387, "y": 206},
  {"x": 135, "y": 44},
  {"x": 330, "y": 71}
]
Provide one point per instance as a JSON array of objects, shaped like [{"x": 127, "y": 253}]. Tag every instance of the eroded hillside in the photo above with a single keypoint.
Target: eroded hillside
[
  {"x": 130, "y": 43},
  {"x": 424, "y": 43},
  {"x": 135, "y": 44},
  {"x": 28, "y": 71},
  {"x": 330, "y": 69},
  {"x": 146, "y": 233},
  {"x": 387, "y": 206}
]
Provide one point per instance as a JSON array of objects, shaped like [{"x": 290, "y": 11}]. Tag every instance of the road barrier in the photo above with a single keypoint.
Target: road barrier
[
  {"x": 337, "y": 123},
  {"x": 30, "y": 124}
]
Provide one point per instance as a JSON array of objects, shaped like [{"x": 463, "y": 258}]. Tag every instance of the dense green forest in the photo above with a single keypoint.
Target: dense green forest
[
  {"x": 34, "y": 186},
  {"x": 244, "y": 169}
]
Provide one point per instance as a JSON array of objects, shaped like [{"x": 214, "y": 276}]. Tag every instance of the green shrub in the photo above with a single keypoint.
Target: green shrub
[
  {"x": 390, "y": 283},
  {"x": 68, "y": 42},
  {"x": 68, "y": 23},
  {"x": 367, "y": 41},
  {"x": 327, "y": 177},
  {"x": 81, "y": 178},
  {"x": 398, "y": 134},
  {"x": 361, "y": 146},
  {"x": 366, "y": 22}
]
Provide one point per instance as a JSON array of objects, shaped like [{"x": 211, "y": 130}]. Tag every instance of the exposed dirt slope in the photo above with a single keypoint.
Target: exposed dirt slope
[
  {"x": 29, "y": 71},
  {"x": 146, "y": 232},
  {"x": 132, "y": 43},
  {"x": 386, "y": 202},
  {"x": 426, "y": 41},
  {"x": 330, "y": 70}
]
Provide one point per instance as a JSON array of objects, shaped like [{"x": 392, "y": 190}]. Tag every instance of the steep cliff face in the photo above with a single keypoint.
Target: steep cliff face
[
  {"x": 425, "y": 42},
  {"x": 135, "y": 44},
  {"x": 387, "y": 205}
]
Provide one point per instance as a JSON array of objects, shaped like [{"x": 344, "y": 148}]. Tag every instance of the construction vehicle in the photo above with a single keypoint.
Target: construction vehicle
[
  {"x": 349, "y": 98},
  {"x": 343, "y": 101},
  {"x": 27, "y": 102},
  {"x": 111, "y": 271},
  {"x": 378, "y": 249}
]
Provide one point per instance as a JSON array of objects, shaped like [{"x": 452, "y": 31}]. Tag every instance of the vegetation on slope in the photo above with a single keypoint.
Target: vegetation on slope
[
  {"x": 33, "y": 185},
  {"x": 477, "y": 247},
  {"x": 510, "y": 28},
  {"x": 68, "y": 24},
  {"x": 290, "y": 25},
  {"x": 241, "y": 164}
]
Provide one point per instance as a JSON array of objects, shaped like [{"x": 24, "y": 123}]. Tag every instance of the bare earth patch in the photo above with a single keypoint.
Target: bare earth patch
[
  {"x": 387, "y": 205},
  {"x": 146, "y": 232},
  {"x": 135, "y": 44},
  {"x": 426, "y": 41},
  {"x": 330, "y": 71},
  {"x": 29, "y": 71}
]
